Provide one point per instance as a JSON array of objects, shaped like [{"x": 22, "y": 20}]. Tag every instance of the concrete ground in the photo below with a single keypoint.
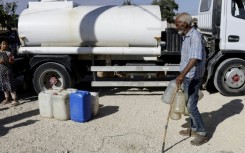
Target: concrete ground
[{"x": 129, "y": 121}]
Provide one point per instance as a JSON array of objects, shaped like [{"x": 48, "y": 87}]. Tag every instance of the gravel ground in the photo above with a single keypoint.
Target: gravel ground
[{"x": 129, "y": 121}]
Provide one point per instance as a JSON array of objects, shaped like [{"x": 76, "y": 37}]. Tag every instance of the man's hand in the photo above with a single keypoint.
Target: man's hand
[
  {"x": 180, "y": 79},
  {"x": 190, "y": 65}
]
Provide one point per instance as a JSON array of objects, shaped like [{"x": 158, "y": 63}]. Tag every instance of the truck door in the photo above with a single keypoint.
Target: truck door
[{"x": 235, "y": 23}]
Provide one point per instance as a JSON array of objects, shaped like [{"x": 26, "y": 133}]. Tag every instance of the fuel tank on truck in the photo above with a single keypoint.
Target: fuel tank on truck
[{"x": 63, "y": 24}]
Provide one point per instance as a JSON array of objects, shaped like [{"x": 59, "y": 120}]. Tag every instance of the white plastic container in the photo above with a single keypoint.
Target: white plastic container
[
  {"x": 95, "y": 103},
  {"x": 54, "y": 91},
  {"x": 186, "y": 113},
  {"x": 200, "y": 94},
  {"x": 169, "y": 93},
  {"x": 179, "y": 102},
  {"x": 45, "y": 104},
  {"x": 69, "y": 90},
  {"x": 173, "y": 115},
  {"x": 61, "y": 106}
]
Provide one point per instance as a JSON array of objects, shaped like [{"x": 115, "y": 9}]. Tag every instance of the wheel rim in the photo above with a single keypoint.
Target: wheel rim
[
  {"x": 234, "y": 78},
  {"x": 47, "y": 76}
]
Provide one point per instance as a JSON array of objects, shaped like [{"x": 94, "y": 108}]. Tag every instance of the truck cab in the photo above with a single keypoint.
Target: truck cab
[{"x": 221, "y": 23}]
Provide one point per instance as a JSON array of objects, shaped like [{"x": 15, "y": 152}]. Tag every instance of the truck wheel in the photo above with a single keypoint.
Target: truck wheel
[
  {"x": 229, "y": 77},
  {"x": 51, "y": 75}
]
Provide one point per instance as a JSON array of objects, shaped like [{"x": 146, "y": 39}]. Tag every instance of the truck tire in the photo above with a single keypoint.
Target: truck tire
[
  {"x": 42, "y": 75},
  {"x": 229, "y": 77}
]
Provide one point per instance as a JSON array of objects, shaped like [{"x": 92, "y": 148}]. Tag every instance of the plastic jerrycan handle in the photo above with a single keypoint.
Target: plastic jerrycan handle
[{"x": 81, "y": 92}]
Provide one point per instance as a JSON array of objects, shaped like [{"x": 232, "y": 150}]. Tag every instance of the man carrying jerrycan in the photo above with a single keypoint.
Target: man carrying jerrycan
[{"x": 192, "y": 67}]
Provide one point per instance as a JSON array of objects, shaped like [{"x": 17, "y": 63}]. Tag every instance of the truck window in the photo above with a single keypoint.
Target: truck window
[
  {"x": 237, "y": 9},
  {"x": 205, "y": 5}
]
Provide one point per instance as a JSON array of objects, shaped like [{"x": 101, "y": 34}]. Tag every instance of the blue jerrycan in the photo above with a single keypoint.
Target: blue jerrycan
[{"x": 80, "y": 106}]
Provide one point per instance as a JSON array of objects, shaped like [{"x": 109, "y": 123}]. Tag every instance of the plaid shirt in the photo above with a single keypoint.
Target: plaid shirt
[{"x": 193, "y": 47}]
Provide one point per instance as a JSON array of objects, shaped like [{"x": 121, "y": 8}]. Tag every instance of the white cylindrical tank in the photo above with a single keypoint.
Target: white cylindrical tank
[{"x": 42, "y": 24}]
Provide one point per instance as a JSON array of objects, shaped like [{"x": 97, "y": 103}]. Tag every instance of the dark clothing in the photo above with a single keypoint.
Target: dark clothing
[
  {"x": 6, "y": 75},
  {"x": 191, "y": 88}
]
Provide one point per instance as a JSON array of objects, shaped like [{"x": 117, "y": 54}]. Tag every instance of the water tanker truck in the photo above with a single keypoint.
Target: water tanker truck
[{"x": 127, "y": 46}]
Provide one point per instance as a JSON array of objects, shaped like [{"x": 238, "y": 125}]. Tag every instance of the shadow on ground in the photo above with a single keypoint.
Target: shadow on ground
[
  {"x": 214, "y": 118},
  {"x": 105, "y": 111},
  {"x": 18, "y": 117},
  {"x": 24, "y": 96}
]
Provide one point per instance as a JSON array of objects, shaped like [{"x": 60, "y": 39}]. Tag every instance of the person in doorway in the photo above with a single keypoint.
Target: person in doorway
[
  {"x": 7, "y": 84},
  {"x": 192, "y": 67}
]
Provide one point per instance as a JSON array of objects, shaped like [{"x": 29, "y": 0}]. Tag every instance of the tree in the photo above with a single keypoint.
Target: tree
[
  {"x": 8, "y": 14},
  {"x": 127, "y": 2},
  {"x": 167, "y": 8}
]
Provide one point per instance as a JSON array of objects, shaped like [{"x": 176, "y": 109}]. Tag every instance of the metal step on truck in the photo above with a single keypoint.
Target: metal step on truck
[{"x": 126, "y": 45}]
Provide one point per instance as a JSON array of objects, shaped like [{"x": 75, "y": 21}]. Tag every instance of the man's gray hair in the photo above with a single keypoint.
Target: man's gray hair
[{"x": 184, "y": 17}]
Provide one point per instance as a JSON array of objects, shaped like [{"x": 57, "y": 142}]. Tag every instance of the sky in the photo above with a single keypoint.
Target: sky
[{"x": 190, "y": 6}]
